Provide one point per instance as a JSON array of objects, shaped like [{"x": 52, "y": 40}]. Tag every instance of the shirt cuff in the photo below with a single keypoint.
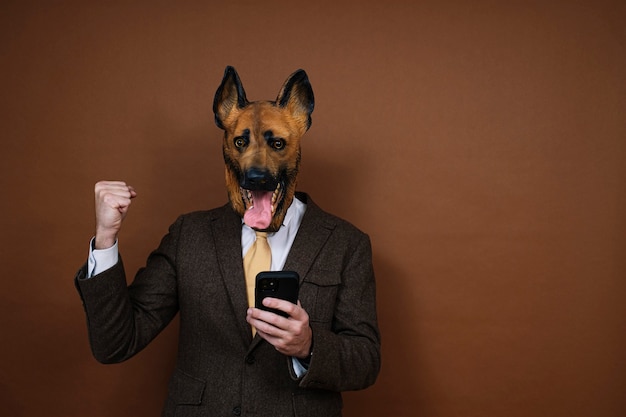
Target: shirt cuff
[
  {"x": 101, "y": 259},
  {"x": 298, "y": 368}
]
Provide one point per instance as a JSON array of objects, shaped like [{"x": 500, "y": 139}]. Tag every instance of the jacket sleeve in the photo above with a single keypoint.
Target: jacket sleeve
[
  {"x": 121, "y": 319},
  {"x": 346, "y": 356}
]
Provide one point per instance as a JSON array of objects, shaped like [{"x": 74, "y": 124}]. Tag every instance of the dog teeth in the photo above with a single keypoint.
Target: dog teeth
[
  {"x": 247, "y": 194},
  {"x": 275, "y": 196}
]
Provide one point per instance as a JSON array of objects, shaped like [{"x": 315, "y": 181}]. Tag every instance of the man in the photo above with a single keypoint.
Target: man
[{"x": 234, "y": 358}]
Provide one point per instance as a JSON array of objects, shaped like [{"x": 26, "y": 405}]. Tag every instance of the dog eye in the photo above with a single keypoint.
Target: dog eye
[
  {"x": 239, "y": 142},
  {"x": 278, "y": 144}
]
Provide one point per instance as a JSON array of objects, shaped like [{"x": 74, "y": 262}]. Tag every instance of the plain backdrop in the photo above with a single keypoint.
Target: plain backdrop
[{"x": 481, "y": 144}]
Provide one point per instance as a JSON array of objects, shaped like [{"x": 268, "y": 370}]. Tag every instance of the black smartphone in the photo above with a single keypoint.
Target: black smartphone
[{"x": 276, "y": 284}]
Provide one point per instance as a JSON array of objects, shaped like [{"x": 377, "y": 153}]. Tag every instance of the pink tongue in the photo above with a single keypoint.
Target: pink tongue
[{"x": 260, "y": 215}]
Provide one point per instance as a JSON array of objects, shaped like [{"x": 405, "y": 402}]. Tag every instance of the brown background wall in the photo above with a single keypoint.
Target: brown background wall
[{"x": 481, "y": 144}]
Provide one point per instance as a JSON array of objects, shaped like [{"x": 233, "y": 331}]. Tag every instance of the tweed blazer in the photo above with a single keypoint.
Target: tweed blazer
[{"x": 221, "y": 369}]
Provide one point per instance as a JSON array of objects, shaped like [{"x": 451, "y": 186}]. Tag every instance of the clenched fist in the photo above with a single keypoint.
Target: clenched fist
[{"x": 113, "y": 199}]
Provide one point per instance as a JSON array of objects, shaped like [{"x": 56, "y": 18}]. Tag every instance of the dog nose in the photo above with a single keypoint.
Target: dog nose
[{"x": 258, "y": 179}]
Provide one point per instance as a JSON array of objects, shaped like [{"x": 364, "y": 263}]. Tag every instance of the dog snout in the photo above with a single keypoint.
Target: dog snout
[{"x": 258, "y": 179}]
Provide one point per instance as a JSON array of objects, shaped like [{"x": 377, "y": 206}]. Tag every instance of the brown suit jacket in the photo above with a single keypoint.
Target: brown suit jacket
[{"x": 221, "y": 370}]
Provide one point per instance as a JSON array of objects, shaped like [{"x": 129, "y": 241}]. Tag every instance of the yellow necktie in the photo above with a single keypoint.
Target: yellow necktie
[{"x": 257, "y": 259}]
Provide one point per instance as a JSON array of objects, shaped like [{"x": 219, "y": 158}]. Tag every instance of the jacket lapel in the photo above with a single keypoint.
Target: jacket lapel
[
  {"x": 227, "y": 239},
  {"x": 314, "y": 231}
]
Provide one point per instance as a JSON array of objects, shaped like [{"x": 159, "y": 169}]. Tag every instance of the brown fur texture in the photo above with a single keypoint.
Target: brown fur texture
[{"x": 262, "y": 142}]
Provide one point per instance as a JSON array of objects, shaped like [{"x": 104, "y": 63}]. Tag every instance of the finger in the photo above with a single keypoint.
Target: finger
[
  {"x": 115, "y": 187},
  {"x": 267, "y": 330},
  {"x": 282, "y": 305},
  {"x": 116, "y": 201},
  {"x": 269, "y": 317},
  {"x": 119, "y": 192},
  {"x": 104, "y": 185}
]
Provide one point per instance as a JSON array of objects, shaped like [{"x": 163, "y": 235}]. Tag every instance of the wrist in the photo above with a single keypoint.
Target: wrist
[
  {"x": 104, "y": 241},
  {"x": 307, "y": 358}
]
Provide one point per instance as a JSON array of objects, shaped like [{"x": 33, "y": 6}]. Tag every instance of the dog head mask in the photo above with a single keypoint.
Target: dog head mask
[{"x": 262, "y": 146}]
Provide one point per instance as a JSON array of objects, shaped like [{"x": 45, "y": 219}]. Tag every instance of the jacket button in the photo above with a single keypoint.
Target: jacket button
[
  {"x": 250, "y": 359},
  {"x": 237, "y": 411}
]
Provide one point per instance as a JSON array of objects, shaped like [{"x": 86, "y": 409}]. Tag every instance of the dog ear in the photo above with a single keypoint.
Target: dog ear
[
  {"x": 296, "y": 95},
  {"x": 230, "y": 94}
]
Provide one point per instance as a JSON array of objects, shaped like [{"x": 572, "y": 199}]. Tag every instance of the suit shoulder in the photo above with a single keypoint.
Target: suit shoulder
[
  {"x": 323, "y": 217},
  {"x": 346, "y": 225}
]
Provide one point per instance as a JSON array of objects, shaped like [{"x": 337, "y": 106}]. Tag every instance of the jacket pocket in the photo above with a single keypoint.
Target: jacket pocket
[
  {"x": 184, "y": 389},
  {"x": 318, "y": 294}
]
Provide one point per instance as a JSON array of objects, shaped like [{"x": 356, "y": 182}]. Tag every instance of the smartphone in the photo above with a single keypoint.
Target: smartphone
[{"x": 276, "y": 284}]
